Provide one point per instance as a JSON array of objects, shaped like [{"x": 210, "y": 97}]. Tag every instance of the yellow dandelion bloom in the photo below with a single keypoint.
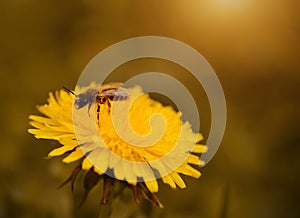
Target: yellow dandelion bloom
[{"x": 134, "y": 139}]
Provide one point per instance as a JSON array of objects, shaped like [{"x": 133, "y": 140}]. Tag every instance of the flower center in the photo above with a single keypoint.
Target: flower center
[{"x": 145, "y": 129}]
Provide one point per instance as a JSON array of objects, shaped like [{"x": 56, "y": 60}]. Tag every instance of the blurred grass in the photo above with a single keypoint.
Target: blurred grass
[{"x": 253, "y": 47}]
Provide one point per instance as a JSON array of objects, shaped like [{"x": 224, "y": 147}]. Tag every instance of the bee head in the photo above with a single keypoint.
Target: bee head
[{"x": 81, "y": 101}]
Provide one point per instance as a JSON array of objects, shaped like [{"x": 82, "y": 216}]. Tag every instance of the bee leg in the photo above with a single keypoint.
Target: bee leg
[
  {"x": 90, "y": 105},
  {"x": 98, "y": 113},
  {"x": 108, "y": 102},
  {"x": 109, "y": 105}
]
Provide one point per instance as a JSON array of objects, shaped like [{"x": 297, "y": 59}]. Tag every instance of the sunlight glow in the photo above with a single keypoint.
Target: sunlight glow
[{"x": 229, "y": 4}]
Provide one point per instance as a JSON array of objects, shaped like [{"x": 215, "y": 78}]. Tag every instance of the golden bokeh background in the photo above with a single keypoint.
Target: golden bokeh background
[{"x": 254, "y": 47}]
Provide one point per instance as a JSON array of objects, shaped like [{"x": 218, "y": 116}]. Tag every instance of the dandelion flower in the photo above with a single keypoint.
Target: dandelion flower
[{"x": 136, "y": 140}]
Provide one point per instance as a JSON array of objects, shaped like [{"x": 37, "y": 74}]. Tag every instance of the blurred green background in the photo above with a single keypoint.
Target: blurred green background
[{"x": 254, "y": 47}]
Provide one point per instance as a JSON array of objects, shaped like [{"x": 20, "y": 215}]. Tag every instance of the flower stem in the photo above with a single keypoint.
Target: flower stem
[{"x": 105, "y": 211}]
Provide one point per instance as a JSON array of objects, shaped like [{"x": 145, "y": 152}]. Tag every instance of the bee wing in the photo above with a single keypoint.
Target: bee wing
[{"x": 111, "y": 85}]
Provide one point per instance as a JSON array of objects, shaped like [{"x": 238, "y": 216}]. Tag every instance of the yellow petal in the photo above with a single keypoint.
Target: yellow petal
[
  {"x": 46, "y": 134},
  {"x": 60, "y": 151},
  {"x": 129, "y": 173},
  {"x": 99, "y": 158},
  {"x": 86, "y": 164},
  {"x": 76, "y": 155},
  {"x": 193, "y": 159},
  {"x": 200, "y": 148},
  {"x": 168, "y": 179},
  {"x": 178, "y": 180},
  {"x": 98, "y": 171},
  {"x": 69, "y": 141},
  {"x": 200, "y": 137},
  {"x": 132, "y": 183},
  {"x": 189, "y": 171},
  {"x": 152, "y": 185},
  {"x": 41, "y": 119}
]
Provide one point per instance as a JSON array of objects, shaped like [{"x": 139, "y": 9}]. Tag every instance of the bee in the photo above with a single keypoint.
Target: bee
[{"x": 107, "y": 93}]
